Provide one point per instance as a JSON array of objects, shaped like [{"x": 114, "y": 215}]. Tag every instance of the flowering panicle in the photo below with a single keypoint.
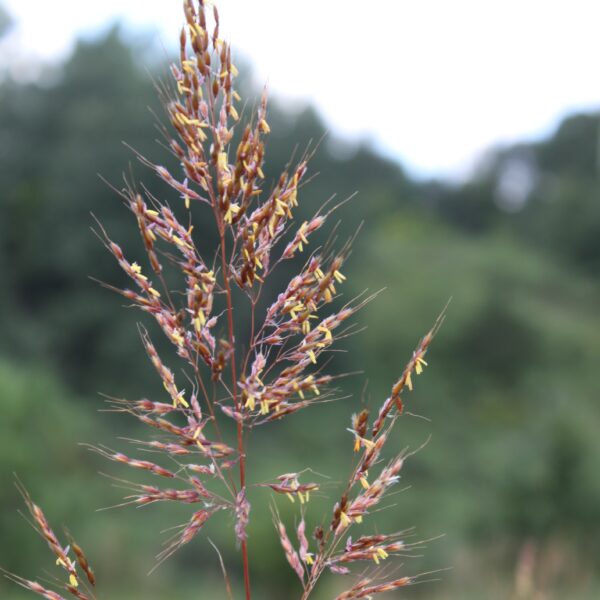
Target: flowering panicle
[
  {"x": 73, "y": 568},
  {"x": 281, "y": 370}
]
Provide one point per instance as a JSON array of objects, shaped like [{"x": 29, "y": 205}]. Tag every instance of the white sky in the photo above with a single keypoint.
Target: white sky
[{"x": 431, "y": 82}]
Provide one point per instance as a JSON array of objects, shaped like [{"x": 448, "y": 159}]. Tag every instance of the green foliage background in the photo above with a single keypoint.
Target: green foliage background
[{"x": 511, "y": 394}]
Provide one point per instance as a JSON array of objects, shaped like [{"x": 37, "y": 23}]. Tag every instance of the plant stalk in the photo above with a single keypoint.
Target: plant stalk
[{"x": 240, "y": 425}]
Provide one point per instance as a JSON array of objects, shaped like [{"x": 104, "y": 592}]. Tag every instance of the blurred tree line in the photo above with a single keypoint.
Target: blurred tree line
[{"x": 512, "y": 387}]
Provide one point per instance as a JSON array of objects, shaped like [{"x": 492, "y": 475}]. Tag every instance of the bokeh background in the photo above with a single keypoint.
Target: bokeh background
[{"x": 501, "y": 212}]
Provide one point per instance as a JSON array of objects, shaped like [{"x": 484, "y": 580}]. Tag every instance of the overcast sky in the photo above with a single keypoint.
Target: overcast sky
[{"x": 431, "y": 82}]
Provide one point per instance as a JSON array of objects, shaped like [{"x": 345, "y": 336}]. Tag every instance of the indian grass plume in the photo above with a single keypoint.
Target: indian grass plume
[
  {"x": 281, "y": 370},
  {"x": 76, "y": 575}
]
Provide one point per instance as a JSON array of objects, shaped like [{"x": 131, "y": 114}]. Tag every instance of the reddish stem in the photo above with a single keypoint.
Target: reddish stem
[{"x": 240, "y": 426}]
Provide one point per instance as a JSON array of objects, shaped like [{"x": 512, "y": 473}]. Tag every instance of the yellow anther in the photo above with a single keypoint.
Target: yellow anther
[
  {"x": 339, "y": 277},
  {"x": 73, "y": 580},
  {"x": 312, "y": 357},
  {"x": 345, "y": 519},
  {"x": 222, "y": 161},
  {"x": 250, "y": 402},
  {"x": 279, "y": 207},
  {"x": 368, "y": 444},
  {"x": 326, "y": 331},
  {"x": 180, "y": 242},
  {"x": 419, "y": 364},
  {"x": 181, "y": 88},
  {"x": 293, "y": 200},
  {"x": 301, "y": 232},
  {"x": 263, "y": 125}
]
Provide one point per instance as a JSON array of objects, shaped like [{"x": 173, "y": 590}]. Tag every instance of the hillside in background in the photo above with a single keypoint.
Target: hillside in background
[{"x": 511, "y": 394}]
